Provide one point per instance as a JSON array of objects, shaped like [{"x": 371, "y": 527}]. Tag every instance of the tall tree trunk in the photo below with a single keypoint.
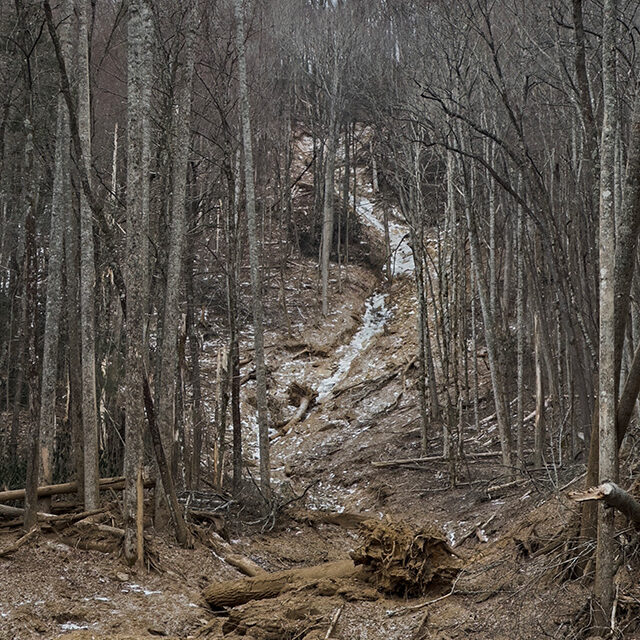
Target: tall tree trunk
[
  {"x": 608, "y": 458},
  {"x": 139, "y": 57},
  {"x": 59, "y": 205},
  {"x": 181, "y": 135},
  {"x": 520, "y": 338},
  {"x": 539, "y": 422},
  {"x": 329, "y": 189},
  {"x": 30, "y": 276},
  {"x": 254, "y": 258},
  {"x": 497, "y": 375},
  {"x": 197, "y": 419},
  {"x": 72, "y": 280},
  {"x": 87, "y": 275},
  {"x": 233, "y": 177}
]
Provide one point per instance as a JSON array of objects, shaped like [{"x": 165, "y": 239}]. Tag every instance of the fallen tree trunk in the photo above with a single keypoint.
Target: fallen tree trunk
[
  {"x": 236, "y": 592},
  {"x": 302, "y": 397},
  {"x": 19, "y": 511},
  {"x": 614, "y": 496},
  {"x": 345, "y": 519},
  {"x": 408, "y": 461},
  {"x": 16, "y": 545},
  {"x": 116, "y": 484},
  {"x": 242, "y": 564}
]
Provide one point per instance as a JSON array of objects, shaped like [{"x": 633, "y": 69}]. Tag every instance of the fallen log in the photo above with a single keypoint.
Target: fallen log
[
  {"x": 302, "y": 397},
  {"x": 51, "y": 517},
  {"x": 345, "y": 519},
  {"x": 497, "y": 488},
  {"x": 16, "y": 545},
  {"x": 101, "y": 528},
  {"x": 236, "y": 592},
  {"x": 614, "y": 496},
  {"x": 5, "y": 510},
  {"x": 226, "y": 552},
  {"x": 116, "y": 484},
  {"x": 407, "y": 461}
]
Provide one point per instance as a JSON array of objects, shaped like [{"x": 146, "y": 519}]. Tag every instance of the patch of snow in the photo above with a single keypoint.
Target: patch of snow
[
  {"x": 136, "y": 588},
  {"x": 365, "y": 209},
  {"x": 375, "y": 318},
  {"x": 401, "y": 253},
  {"x": 72, "y": 626}
]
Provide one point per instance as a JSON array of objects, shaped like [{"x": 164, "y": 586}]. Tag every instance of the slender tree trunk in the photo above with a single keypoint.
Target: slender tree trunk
[
  {"x": 520, "y": 338},
  {"x": 422, "y": 367},
  {"x": 329, "y": 188},
  {"x": 232, "y": 318},
  {"x": 59, "y": 204},
  {"x": 254, "y": 258},
  {"x": 497, "y": 379},
  {"x": 139, "y": 56},
  {"x": 181, "y": 134},
  {"x": 29, "y": 275},
  {"x": 87, "y": 275},
  {"x": 197, "y": 417},
  {"x": 539, "y": 423},
  {"x": 608, "y": 458}
]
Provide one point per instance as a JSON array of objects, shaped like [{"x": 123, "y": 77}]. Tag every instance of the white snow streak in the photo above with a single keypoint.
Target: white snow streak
[{"x": 375, "y": 317}]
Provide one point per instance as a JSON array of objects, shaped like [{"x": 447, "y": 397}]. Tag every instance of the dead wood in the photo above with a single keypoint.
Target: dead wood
[
  {"x": 6, "y": 510},
  {"x": 19, "y": 542},
  {"x": 245, "y": 565},
  {"x": 101, "y": 528},
  {"x": 405, "y": 561},
  {"x": 300, "y": 396},
  {"x": 116, "y": 484},
  {"x": 301, "y": 347},
  {"x": 346, "y": 519},
  {"x": 236, "y": 592},
  {"x": 477, "y": 530},
  {"x": 103, "y": 546},
  {"x": 182, "y": 533},
  {"x": 375, "y": 384},
  {"x": 334, "y": 622},
  {"x": 613, "y": 496},
  {"x": 498, "y": 488},
  {"x": 412, "y": 461}
]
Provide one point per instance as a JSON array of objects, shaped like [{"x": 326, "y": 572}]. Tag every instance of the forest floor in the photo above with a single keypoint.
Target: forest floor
[{"x": 515, "y": 580}]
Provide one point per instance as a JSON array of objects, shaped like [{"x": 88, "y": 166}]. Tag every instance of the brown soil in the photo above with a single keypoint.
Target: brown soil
[{"x": 512, "y": 574}]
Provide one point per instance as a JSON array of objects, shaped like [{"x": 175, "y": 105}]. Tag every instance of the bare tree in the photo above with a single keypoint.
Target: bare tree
[
  {"x": 139, "y": 77},
  {"x": 254, "y": 258}
]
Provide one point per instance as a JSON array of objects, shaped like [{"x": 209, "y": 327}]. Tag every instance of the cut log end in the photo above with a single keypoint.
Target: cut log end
[{"x": 613, "y": 496}]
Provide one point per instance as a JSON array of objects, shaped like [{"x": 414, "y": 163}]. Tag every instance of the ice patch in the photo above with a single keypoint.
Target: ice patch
[
  {"x": 136, "y": 588},
  {"x": 72, "y": 626},
  {"x": 401, "y": 253},
  {"x": 375, "y": 317}
]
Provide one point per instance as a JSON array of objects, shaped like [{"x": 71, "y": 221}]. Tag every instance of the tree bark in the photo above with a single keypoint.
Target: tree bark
[
  {"x": 329, "y": 188},
  {"x": 539, "y": 424},
  {"x": 139, "y": 72},
  {"x": 608, "y": 453},
  {"x": 87, "y": 274},
  {"x": 180, "y": 147},
  {"x": 254, "y": 258},
  {"x": 59, "y": 205},
  {"x": 236, "y": 592},
  {"x": 612, "y": 495}
]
